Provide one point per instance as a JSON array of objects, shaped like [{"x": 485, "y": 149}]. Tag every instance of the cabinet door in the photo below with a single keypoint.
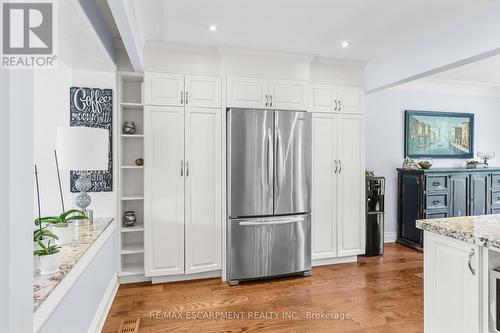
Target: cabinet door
[
  {"x": 164, "y": 190},
  {"x": 203, "y": 190},
  {"x": 164, "y": 89},
  {"x": 323, "y": 98},
  {"x": 288, "y": 94},
  {"x": 245, "y": 92},
  {"x": 479, "y": 189},
  {"x": 351, "y": 185},
  {"x": 451, "y": 288},
  {"x": 203, "y": 91},
  {"x": 350, "y": 99},
  {"x": 324, "y": 186},
  {"x": 459, "y": 195},
  {"x": 410, "y": 207}
]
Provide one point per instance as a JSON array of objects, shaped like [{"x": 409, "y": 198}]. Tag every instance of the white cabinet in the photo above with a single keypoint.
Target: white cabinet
[
  {"x": 164, "y": 190},
  {"x": 351, "y": 185},
  {"x": 203, "y": 190},
  {"x": 337, "y": 99},
  {"x": 338, "y": 224},
  {"x": 245, "y": 92},
  {"x": 164, "y": 89},
  {"x": 178, "y": 90},
  {"x": 264, "y": 93},
  {"x": 324, "y": 185},
  {"x": 182, "y": 190},
  {"x": 288, "y": 94},
  {"x": 203, "y": 91},
  {"x": 451, "y": 285}
]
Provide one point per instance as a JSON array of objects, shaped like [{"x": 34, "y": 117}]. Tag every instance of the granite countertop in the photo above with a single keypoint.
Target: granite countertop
[
  {"x": 481, "y": 230},
  {"x": 43, "y": 285}
]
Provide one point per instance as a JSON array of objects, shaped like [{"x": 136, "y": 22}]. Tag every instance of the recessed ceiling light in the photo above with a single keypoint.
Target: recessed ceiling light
[
  {"x": 212, "y": 28},
  {"x": 345, "y": 44}
]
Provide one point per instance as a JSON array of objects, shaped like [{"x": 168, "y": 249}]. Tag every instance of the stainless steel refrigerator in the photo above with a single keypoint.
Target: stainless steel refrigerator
[{"x": 269, "y": 193}]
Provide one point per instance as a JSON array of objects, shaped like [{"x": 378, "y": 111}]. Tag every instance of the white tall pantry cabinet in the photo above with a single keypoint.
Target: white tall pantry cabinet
[
  {"x": 338, "y": 194},
  {"x": 182, "y": 174}
]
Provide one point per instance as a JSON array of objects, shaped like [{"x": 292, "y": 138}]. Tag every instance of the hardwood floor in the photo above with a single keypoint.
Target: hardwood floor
[{"x": 377, "y": 294}]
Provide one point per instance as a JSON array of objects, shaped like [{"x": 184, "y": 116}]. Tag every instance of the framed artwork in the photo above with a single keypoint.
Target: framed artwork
[
  {"x": 439, "y": 134},
  {"x": 93, "y": 107}
]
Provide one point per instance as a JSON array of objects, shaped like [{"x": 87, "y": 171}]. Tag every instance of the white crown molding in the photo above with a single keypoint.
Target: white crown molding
[
  {"x": 245, "y": 51},
  {"x": 210, "y": 51},
  {"x": 338, "y": 62}
]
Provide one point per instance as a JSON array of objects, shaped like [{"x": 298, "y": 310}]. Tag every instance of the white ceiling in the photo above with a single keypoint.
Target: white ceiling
[
  {"x": 374, "y": 27},
  {"x": 485, "y": 71}
]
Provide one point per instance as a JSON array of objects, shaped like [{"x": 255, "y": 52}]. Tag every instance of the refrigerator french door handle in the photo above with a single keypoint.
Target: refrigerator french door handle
[
  {"x": 279, "y": 160},
  {"x": 272, "y": 222},
  {"x": 269, "y": 158}
]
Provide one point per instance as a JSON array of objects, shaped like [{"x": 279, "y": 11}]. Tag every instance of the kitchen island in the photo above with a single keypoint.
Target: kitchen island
[{"x": 459, "y": 254}]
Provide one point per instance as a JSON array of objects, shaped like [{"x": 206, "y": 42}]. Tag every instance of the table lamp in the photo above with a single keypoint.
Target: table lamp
[{"x": 83, "y": 149}]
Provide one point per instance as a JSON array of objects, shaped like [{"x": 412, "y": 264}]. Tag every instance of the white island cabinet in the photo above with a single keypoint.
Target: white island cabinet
[{"x": 451, "y": 285}]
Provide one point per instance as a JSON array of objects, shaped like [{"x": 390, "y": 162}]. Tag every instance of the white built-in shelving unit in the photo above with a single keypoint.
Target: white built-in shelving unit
[{"x": 131, "y": 177}]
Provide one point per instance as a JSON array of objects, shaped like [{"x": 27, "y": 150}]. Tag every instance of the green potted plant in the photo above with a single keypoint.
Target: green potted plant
[
  {"x": 63, "y": 226},
  {"x": 50, "y": 257}
]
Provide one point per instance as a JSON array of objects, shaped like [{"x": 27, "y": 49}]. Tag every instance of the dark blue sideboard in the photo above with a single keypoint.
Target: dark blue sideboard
[{"x": 443, "y": 192}]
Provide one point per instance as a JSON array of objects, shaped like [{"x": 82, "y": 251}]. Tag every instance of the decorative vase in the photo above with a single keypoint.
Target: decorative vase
[
  {"x": 36, "y": 247},
  {"x": 65, "y": 234},
  {"x": 49, "y": 264},
  {"x": 129, "y": 127},
  {"x": 139, "y": 162},
  {"x": 129, "y": 218}
]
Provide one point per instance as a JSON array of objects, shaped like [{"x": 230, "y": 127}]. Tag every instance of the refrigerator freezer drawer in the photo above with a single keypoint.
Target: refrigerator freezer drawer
[{"x": 264, "y": 247}]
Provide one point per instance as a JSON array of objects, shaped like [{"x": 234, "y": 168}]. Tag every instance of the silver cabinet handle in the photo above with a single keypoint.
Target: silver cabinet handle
[
  {"x": 187, "y": 97},
  {"x": 270, "y": 100},
  {"x": 187, "y": 169},
  {"x": 471, "y": 254},
  {"x": 336, "y": 166},
  {"x": 336, "y": 105},
  {"x": 182, "y": 168},
  {"x": 340, "y": 166},
  {"x": 267, "y": 100},
  {"x": 182, "y": 97},
  {"x": 340, "y": 104}
]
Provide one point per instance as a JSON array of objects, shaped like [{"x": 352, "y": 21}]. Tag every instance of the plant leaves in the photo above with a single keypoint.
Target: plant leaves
[
  {"x": 60, "y": 225},
  {"x": 77, "y": 217},
  {"x": 69, "y": 212}
]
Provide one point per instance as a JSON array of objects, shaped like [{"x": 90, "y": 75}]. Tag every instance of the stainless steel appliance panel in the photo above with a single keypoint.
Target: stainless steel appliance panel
[
  {"x": 250, "y": 153},
  {"x": 263, "y": 247},
  {"x": 292, "y": 185}
]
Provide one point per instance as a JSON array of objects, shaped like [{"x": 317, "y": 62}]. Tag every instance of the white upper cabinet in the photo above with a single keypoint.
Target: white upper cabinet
[
  {"x": 288, "y": 94},
  {"x": 322, "y": 98},
  {"x": 351, "y": 185},
  {"x": 164, "y": 89},
  {"x": 164, "y": 190},
  {"x": 245, "y": 92},
  {"x": 337, "y": 99},
  {"x": 167, "y": 89},
  {"x": 203, "y": 190},
  {"x": 203, "y": 91},
  {"x": 350, "y": 100}
]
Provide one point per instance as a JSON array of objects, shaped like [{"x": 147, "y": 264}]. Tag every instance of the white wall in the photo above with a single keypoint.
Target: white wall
[
  {"x": 385, "y": 127},
  {"x": 52, "y": 110}
]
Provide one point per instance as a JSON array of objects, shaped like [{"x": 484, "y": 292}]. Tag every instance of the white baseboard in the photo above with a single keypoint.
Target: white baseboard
[
  {"x": 184, "y": 277},
  {"x": 333, "y": 261},
  {"x": 390, "y": 237},
  {"x": 104, "y": 307}
]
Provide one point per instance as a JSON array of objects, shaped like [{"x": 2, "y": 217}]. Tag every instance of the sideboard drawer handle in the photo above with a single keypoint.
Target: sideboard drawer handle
[
  {"x": 436, "y": 202},
  {"x": 438, "y": 183}
]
